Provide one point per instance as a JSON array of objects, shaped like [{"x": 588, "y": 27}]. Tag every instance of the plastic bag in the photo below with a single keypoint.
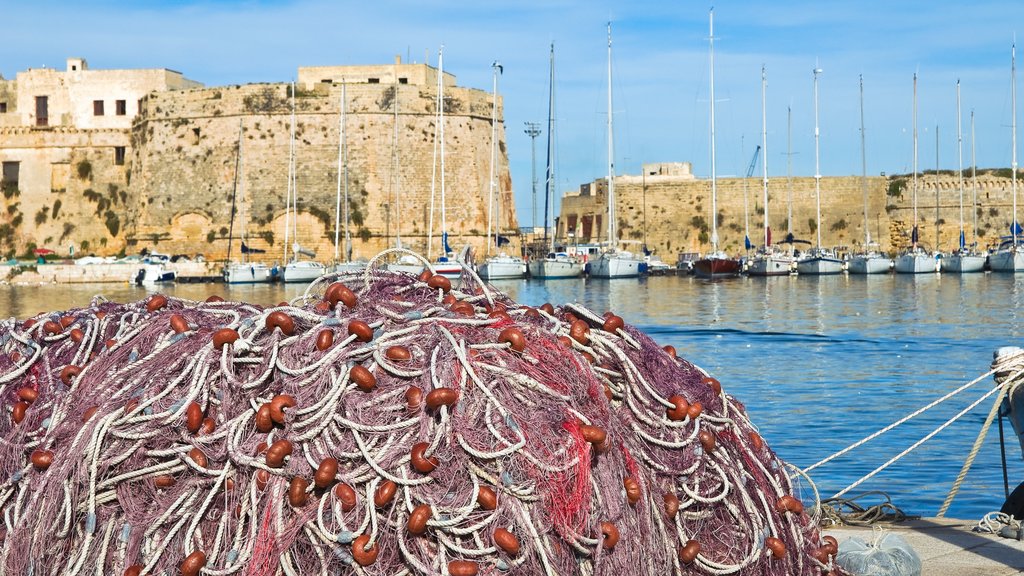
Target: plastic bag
[{"x": 887, "y": 555}]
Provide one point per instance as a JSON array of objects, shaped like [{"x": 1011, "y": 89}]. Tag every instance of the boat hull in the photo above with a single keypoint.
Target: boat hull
[
  {"x": 716, "y": 268},
  {"x": 915, "y": 264},
  {"x": 963, "y": 263},
  {"x": 771, "y": 266},
  {"x": 545, "y": 269},
  {"x": 151, "y": 274},
  {"x": 503, "y": 268},
  {"x": 819, "y": 266},
  {"x": 246, "y": 274},
  {"x": 303, "y": 271},
  {"x": 615, "y": 266},
  {"x": 1008, "y": 260},
  {"x": 869, "y": 265},
  {"x": 348, "y": 267}
]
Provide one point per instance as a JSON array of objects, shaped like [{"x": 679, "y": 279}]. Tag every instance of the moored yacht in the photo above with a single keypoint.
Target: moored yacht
[{"x": 555, "y": 265}]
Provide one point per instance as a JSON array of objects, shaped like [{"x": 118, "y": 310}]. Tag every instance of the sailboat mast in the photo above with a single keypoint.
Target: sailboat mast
[
  {"x": 234, "y": 190},
  {"x": 789, "y": 168},
  {"x": 714, "y": 182},
  {"x": 611, "y": 151},
  {"x": 348, "y": 206},
  {"x": 764, "y": 149},
  {"x": 1013, "y": 129},
  {"x": 974, "y": 183},
  {"x": 291, "y": 179},
  {"x": 494, "y": 135},
  {"x": 549, "y": 177},
  {"x": 817, "y": 164},
  {"x": 440, "y": 111},
  {"x": 396, "y": 207},
  {"x": 433, "y": 165},
  {"x": 341, "y": 153},
  {"x": 864, "y": 167},
  {"x": 936, "y": 187},
  {"x": 960, "y": 162},
  {"x": 913, "y": 237}
]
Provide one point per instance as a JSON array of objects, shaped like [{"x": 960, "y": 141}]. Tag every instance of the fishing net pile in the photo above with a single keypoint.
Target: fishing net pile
[{"x": 382, "y": 424}]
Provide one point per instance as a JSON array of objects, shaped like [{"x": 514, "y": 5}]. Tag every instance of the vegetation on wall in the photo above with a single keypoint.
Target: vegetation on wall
[{"x": 84, "y": 169}]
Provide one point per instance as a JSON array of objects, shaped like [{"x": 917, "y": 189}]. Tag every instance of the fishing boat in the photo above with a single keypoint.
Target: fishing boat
[
  {"x": 818, "y": 261},
  {"x": 295, "y": 269},
  {"x": 769, "y": 261},
  {"x": 716, "y": 264},
  {"x": 154, "y": 270},
  {"x": 342, "y": 202},
  {"x": 244, "y": 271},
  {"x": 552, "y": 264},
  {"x": 1009, "y": 257},
  {"x": 613, "y": 262},
  {"x": 965, "y": 258},
  {"x": 915, "y": 260},
  {"x": 500, "y": 266},
  {"x": 869, "y": 260}
]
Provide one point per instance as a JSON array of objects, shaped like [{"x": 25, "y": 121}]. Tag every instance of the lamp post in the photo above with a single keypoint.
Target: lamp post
[{"x": 533, "y": 130}]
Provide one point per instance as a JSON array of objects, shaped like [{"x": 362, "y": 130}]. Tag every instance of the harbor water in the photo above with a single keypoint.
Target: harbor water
[{"x": 819, "y": 362}]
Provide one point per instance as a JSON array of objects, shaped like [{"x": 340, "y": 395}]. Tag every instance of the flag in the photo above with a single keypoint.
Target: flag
[
  {"x": 1015, "y": 229},
  {"x": 444, "y": 243},
  {"x": 746, "y": 242}
]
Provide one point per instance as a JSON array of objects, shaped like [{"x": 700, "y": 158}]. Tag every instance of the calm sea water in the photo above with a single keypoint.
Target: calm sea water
[{"x": 818, "y": 362}]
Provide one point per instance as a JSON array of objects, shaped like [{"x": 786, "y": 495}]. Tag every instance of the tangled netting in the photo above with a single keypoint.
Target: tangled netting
[{"x": 382, "y": 424}]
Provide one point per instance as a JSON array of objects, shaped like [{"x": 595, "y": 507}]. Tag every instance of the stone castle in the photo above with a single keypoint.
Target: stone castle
[
  {"x": 116, "y": 161},
  {"x": 110, "y": 161}
]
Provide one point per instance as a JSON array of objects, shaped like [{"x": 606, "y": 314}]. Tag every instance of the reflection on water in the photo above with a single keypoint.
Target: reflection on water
[{"x": 819, "y": 361}]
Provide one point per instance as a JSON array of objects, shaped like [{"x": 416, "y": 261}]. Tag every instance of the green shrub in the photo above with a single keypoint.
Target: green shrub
[{"x": 84, "y": 169}]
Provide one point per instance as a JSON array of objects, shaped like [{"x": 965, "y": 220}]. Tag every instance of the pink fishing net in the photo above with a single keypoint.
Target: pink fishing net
[{"x": 381, "y": 425}]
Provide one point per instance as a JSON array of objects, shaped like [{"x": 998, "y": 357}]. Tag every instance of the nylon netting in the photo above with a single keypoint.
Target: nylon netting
[{"x": 382, "y": 424}]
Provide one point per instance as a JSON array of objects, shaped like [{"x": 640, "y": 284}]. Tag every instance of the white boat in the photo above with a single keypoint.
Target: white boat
[
  {"x": 869, "y": 260},
  {"x": 915, "y": 260},
  {"x": 818, "y": 260},
  {"x": 964, "y": 259},
  {"x": 767, "y": 261},
  {"x": 613, "y": 262},
  {"x": 554, "y": 266},
  {"x": 655, "y": 266},
  {"x": 717, "y": 264},
  {"x": 296, "y": 270},
  {"x": 348, "y": 267},
  {"x": 154, "y": 273},
  {"x": 243, "y": 272},
  {"x": 499, "y": 266},
  {"x": 303, "y": 271},
  {"x": 1009, "y": 257},
  {"x": 503, "y": 267}
]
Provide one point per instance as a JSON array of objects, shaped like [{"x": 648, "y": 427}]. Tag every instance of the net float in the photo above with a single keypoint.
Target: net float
[
  {"x": 593, "y": 434},
  {"x": 417, "y": 523},
  {"x": 439, "y": 282},
  {"x": 487, "y": 498},
  {"x": 193, "y": 417},
  {"x": 419, "y": 462},
  {"x": 193, "y": 563},
  {"x": 178, "y": 323},
  {"x": 384, "y": 493},
  {"x": 51, "y": 327},
  {"x": 324, "y": 340},
  {"x": 28, "y": 394},
  {"x": 610, "y": 534},
  {"x": 68, "y": 372},
  {"x": 325, "y": 473},
  {"x": 565, "y": 341},
  {"x": 362, "y": 377},
  {"x": 671, "y": 505},
  {"x": 713, "y": 383},
  {"x": 164, "y": 481},
  {"x": 694, "y": 410},
  {"x": 199, "y": 457},
  {"x": 297, "y": 492},
  {"x": 449, "y": 299},
  {"x": 41, "y": 459},
  {"x": 514, "y": 337},
  {"x": 208, "y": 426},
  {"x": 789, "y": 504},
  {"x": 338, "y": 292},
  {"x": 18, "y": 411},
  {"x": 361, "y": 330},
  {"x": 707, "y": 440},
  {"x": 679, "y": 408},
  {"x": 213, "y": 299},
  {"x": 224, "y": 336},
  {"x": 414, "y": 398},
  {"x": 441, "y": 397},
  {"x": 579, "y": 331},
  {"x": 507, "y": 541},
  {"x": 831, "y": 543},
  {"x": 262, "y": 479},
  {"x": 398, "y": 353},
  {"x": 363, "y": 555},
  {"x": 632, "y": 490},
  {"x": 613, "y": 323},
  {"x": 66, "y": 321},
  {"x": 264, "y": 423},
  {"x": 156, "y": 302},
  {"x": 346, "y": 495},
  {"x": 77, "y": 335},
  {"x": 776, "y": 546},
  {"x": 89, "y": 413},
  {"x": 463, "y": 307},
  {"x": 282, "y": 321},
  {"x": 755, "y": 440},
  {"x": 689, "y": 551},
  {"x": 133, "y": 570},
  {"x": 425, "y": 275},
  {"x": 463, "y": 568},
  {"x": 532, "y": 312},
  {"x": 277, "y": 452},
  {"x": 278, "y": 404},
  {"x": 499, "y": 314},
  {"x": 670, "y": 350}
]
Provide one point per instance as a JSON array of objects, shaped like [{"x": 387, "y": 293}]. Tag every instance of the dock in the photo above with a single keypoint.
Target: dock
[{"x": 947, "y": 547}]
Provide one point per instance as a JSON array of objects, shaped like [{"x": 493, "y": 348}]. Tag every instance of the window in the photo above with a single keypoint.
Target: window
[
  {"x": 42, "y": 111},
  {"x": 374, "y": 80},
  {"x": 120, "y": 107},
  {"x": 9, "y": 179},
  {"x": 119, "y": 155},
  {"x": 327, "y": 81},
  {"x": 403, "y": 80},
  {"x": 97, "y": 107},
  {"x": 3, "y": 107}
]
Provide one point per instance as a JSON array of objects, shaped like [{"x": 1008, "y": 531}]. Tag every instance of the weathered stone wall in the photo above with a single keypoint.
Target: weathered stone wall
[
  {"x": 678, "y": 211},
  {"x": 186, "y": 143}
]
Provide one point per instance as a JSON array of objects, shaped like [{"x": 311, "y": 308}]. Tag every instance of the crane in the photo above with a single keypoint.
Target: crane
[
  {"x": 746, "y": 211},
  {"x": 753, "y": 161}
]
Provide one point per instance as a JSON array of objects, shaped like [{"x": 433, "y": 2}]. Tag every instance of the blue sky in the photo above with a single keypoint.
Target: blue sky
[{"x": 660, "y": 65}]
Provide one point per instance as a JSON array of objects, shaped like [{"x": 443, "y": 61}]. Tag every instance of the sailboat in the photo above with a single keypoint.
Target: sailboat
[
  {"x": 613, "y": 262},
  {"x": 769, "y": 261},
  {"x": 444, "y": 265},
  {"x": 346, "y": 265},
  {"x": 869, "y": 260},
  {"x": 1010, "y": 255},
  {"x": 296, "y": 270},
  {"x": 716, "y": 264},
  {"x": 818, "y": 261},
  {"x": 915, "y": 260},
  {"x": 501, "y": 265},
  {"x": 555, "y": 264},
  {"x": 965, "y": 258},
  {"x": 243, "y": 272}
]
